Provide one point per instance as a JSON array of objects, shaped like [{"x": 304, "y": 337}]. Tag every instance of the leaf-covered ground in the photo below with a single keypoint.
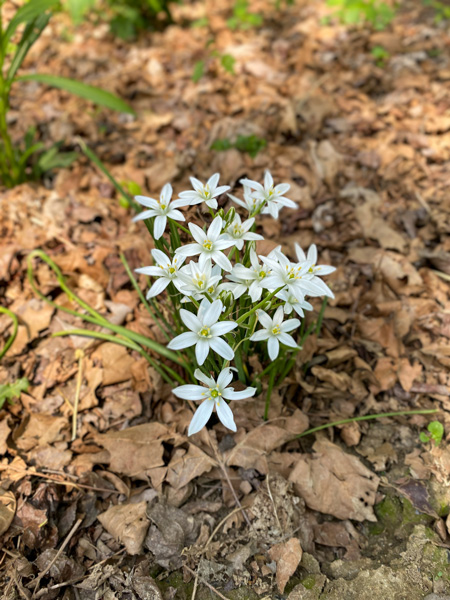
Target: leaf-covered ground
[{"x": 132, "y": 508}]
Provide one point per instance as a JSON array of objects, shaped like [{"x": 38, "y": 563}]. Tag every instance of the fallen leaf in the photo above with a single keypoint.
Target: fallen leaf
[
  {"x": 127, "y": 523},
  {"x": 287, "y": 555},
  {"x": 185, "y": 466},
  {"x": 7, "y": 509},
  {"x": 41, "y": 429},
  {"x": 137, "y": 450},
  {"x": 335, "y": 483},
  {"x": 116, "y": 362},
  {"x": 4, "y": 433}
]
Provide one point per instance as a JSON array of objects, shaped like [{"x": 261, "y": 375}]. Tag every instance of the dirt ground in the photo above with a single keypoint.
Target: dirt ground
[{"x": 132, "y": 508}]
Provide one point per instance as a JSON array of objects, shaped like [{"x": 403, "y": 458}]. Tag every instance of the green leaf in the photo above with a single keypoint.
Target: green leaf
[
  {"x": 437, "y": 431},
  {"x": 9, "y": 391},
  {"x": 30, "y": 34},
  {"x": 25, "y": 14},
  {"x": 227, "y": 61},
  {"x": 78, "y": 8},
  {"x": 199, "y": 69},
  {"x": 424, "y": 438},
  {"x": 88, "y": 92}
]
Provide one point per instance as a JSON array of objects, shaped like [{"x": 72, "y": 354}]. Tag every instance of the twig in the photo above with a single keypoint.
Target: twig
[
  {"x": 80, "y": 355},
  {"x": 224, "y": 520},
  {"x": 224, "y": 471},
  {"x": 70, "y": 535},
  {"x": 212, "y": 588}
]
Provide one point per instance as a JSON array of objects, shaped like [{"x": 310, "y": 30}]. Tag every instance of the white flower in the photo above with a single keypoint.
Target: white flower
[
  {"x": 250, "y": 203},
  {"x": 236, "y": 285},
  {"x": 275, "y": 331},
  {"x": 315, "y": 269},
  {"x": 272, "y": 196},
  {"x": 166, "y": 270},
  {"x": 284, "y": 273},
  {"x": 213, "y": 396},
  {"x": 256, "y": 274},
  {"x": 205, "y": 332},
  {"x": 196, "y": 279},
  {"x": 239, "y": 232},
  {"x": 209, "y": 245},
  {"x": 207, "y": 192},
  {"x": 292, "y": 303},
  {"x": 160, "y": 209}
]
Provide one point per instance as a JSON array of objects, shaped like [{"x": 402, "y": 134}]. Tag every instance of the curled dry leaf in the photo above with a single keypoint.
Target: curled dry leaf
[
  {"x": 329, "y": 474},
  {"x": 287, "y": 555},
  {"x": 128, "y": 524}
]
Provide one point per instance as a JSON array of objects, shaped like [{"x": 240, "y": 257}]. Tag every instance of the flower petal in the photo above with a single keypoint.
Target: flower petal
[
  {"x": 201, "y": 416},
  {"x": 222, "y": 348},
  {"x": 225, "y": 415},
  {"x": 191, "y": 321},
  {"x": 273, "y": 346},
  {"x": 260, "y": 335},
  {"x": 230, "y": 394},
  {"x": 223, "y": 327},
  {"x": 214, "y": 229},
  {"x": 224, "y": 379},
  {"x": 220, "y": 259},
  {"x": 201, "y": 350},
  {"x": 209, "y": 381},
  {"x": 176, "y": 215},
  {"x": 148, "y": 202},
  {"x": 159, "y": 226},
  {"x": 160, "y": 258},
  {"x": 145, "y": 214},
  {"x": 212, "y": 313},
  {"x": 264, "y": 319},
  {"x": 184, "y": 340},
  {"x": 158, "y": 287},
  {"x": 190, "y": 392},
  {"x": 287, "y": 340}
]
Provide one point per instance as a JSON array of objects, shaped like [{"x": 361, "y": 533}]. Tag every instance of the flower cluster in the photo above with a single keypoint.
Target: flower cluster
[{"x": 225, "y": 295}]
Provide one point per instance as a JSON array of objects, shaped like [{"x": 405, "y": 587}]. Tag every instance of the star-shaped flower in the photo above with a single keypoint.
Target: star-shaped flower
[
  {"x": 165, "y": 269},
  {"x": 208, "y": 245},
  {"x": 160, "y": 209},
  {"x": 207, "y": 192},
  {"x": 275, "y": 331},
  {"x": 214, "y": 395},
  {"x": 205, "y": 331}
]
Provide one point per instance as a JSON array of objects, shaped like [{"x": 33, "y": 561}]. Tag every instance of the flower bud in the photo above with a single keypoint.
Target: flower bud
[
  {"x": 227, "y": 299},
  {"x": 229, "y": 217},
  {"x": 221, "y": 213}
]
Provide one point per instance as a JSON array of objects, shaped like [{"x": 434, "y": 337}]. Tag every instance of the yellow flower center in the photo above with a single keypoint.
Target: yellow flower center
[
  {"x": 210, "y": 290},
  {"x": 172, "y": 270},
  {"x": 205, "y": 332},
  {"x": 214, "y": 393},
  {"x": 207, "y": 244},
  {"x": 163, "y": 206},
  {"x": 262, "y": 274},
  {"x": 276, "y": 330}
]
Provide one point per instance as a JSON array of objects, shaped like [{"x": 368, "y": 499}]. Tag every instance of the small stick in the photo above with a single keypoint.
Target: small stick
[
  {"x": 212, "y": 588},
  {"x": 70, "y": 535},
  {"x": 80, "y": 355}
]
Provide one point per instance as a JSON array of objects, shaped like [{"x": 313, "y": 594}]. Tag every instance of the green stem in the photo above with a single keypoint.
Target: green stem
[
  {"x": 12, "y": 337},
  {"x": 93, "y": 316},
  {"x": 180, "y": 226},
  {"x": 141, "y": 295},
  {"x": 428, "y": 411},
  {"x": 259, "y": 305},
  {"x": 269, "y": 393},
  {"x": 320, "y": 317}
]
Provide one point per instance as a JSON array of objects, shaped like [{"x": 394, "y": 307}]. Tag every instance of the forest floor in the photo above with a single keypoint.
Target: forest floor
[{"x": 132, "y": 508}]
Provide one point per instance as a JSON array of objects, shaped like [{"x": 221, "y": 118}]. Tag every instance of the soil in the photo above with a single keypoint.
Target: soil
[{"x": 131, "y": 507}]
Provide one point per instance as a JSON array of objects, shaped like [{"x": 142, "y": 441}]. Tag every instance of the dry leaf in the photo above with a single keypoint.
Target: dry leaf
[
  {"x": 128, "y": 524},
  {"x": 4, "y": 433},
  {"x": 7, "y": 509},
  {"x": 335, "y": 483},
  {"x": 41, "y": 429},
  {"x": 116, "y": 363},
  {"x": 185, "y": 466},
  {"x": 287, "y": 555},
  {"x": 136, "y": 450}
]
